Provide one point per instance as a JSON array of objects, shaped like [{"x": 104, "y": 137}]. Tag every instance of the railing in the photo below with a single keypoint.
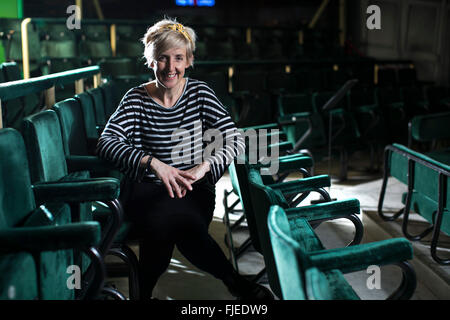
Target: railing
[{"x": 16, "y": 89}]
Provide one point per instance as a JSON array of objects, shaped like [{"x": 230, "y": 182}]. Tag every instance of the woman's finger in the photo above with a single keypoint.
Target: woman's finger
[
  {"x": 168, "y": 187},
  {"x": 188, "y": 175},
  {"x": 175, "y": 187},
  {"x": 184, "y": 183}
]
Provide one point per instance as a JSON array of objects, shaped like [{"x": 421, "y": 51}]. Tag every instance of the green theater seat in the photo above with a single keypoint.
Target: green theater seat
[
  {"x": 49, "y": 173},
  {"x": 77, "y": 145},
  {"x": 427, "y": 195},
  {"x": 308, "y": 271},
  {"x": 27, "y": 225},
  {"x": 263, "y": 196}
]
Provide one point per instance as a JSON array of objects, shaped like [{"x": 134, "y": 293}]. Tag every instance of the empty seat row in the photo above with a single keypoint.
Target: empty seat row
[{"x": 281, "y": 228}]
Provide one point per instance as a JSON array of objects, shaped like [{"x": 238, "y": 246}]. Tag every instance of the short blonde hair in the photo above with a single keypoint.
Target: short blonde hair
[{"x": 167, "y": 34}]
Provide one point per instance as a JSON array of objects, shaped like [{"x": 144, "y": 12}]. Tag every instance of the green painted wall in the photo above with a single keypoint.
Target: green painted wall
[{"x": 10, "y": 9}]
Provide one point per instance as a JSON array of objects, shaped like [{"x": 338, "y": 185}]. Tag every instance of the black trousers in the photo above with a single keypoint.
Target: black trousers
[{"x": 163, "y": 223}]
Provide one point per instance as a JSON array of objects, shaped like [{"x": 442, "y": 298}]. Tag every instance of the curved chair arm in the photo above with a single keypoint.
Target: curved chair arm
[
  {"x": 302, "y": 185},
  {"x": 360, "y": 257},
  {"x": 289, "y": 163},
  {"x": 93, "y": 189},
  {"x": 325, "y": 211},
  {"x": 78, "y": 235},
  {"x": 90, "y": 163},
  {"x": 83, "y": 236},
  {"x": 262, "y": 126},
  {"x": 105, "y": 190},
  {"x": 318, "y": 213}
]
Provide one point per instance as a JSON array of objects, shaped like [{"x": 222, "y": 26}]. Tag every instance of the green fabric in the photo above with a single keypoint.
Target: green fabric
[
  {"x": 87, "y": 106},
  {"x": 42, "y": 135},
  {"x": 328, "y": 286},
  {"x": 302, "y": 185},
  {"x": 99, "y": 106},
  {"x": 430, "y": 127},
  {"x": 292, "y": 236},
  {"x": 19, "y": 279},
  {"x": 16, "y": 201},
  {"x": 71, "y": 119}
]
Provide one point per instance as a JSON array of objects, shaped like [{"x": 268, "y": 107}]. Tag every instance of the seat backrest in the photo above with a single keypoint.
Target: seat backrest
[
  {"x": 244, "y": 192},
  {"x": 19, "y": 279},
  {"x": 45, "y": 148},
  {"x": 99, "y": 105},
  {"x": 72, "y": 127},
  {"x": 426, "y": 178},
  {"x": 16, "y": 196},
  {"x": 262, "y": 198},
  {"x": 87, "y": 107},
  {"x": 431, "y": 126},
  {"x": 285, "y": 249},
  {"x": 110, "y": 98}
]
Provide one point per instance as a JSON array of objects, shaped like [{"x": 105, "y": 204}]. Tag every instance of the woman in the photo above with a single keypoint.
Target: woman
[{"x": 171, "y": 197}]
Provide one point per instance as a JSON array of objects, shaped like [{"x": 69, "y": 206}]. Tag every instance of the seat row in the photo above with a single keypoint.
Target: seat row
[
  {"x": 58, "y": 192},
  {"x": 282, "y": 229}
]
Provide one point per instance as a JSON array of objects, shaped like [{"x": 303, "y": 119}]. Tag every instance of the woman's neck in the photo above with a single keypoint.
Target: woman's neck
[{"x": 165, "y": 96}]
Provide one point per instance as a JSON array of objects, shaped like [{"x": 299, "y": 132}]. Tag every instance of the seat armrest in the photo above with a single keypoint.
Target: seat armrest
[
  {"x": 361, "y": 256},
  {"x": 90, "y": 163},
  {"x": 325, "y": 211},
  {"x": 302, "y": 185},
  {"x": 94, "y": 189},
  {"x": 79, "y": 235}
]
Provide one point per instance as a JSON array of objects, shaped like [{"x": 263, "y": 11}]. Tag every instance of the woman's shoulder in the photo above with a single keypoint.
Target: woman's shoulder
[{"x": 195, "y": 83}]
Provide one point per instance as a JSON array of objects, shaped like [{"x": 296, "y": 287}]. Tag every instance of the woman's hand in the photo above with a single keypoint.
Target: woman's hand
[
  {"x": 199, "y": 171},
  {"x": 176, "y": 181}
]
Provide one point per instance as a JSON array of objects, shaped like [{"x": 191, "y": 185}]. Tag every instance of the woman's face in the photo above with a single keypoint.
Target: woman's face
[{"x": 170, "y": 66}]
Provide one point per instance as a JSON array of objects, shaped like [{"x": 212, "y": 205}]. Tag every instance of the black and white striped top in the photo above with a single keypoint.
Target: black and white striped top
[{"x": 197, "y": 128}]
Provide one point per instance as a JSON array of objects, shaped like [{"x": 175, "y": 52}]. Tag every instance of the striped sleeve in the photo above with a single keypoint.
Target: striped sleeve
[
  {"x": 218, "y": 123},
  {"x": 114, "y": 143}
]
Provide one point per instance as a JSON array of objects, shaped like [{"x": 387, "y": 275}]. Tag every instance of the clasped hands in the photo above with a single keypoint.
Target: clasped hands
[{"x": 176, "y": 181}]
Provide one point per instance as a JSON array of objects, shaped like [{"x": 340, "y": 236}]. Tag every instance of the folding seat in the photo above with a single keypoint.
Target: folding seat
[
  {"x": 19, "y": 281},
  {"x": 13, "y": 44},
  {"x": 427, "y": 181},
  {"x": 286, "y": 164},
  {"x": 308, "y": 271},
  {"x": 264, "y": 196},
  {"x": 16, "y": 109},
  {"x": 117, "y": 67},
  {"x": 111, "y": 97},
  {"x": 99, "y": 107},
  {"x": 31, "y": 226},
  {"x": 363, "y": 104},
  {"x": 94, "y": 44},
  {"x": 59, "y": 47},
  {"x": 49, "y": 165},
  {"x": 76, "y": 143},
  {"x": 431, "y": 129},
  {"x": 127, "y": 41}
]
